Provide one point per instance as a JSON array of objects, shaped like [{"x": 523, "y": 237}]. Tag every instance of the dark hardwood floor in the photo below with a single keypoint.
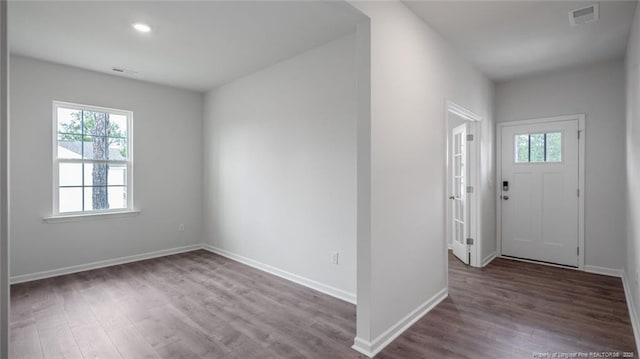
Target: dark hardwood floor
[
  {"x": 200, "y": 305},
  {"x": 512, "y": 309}
]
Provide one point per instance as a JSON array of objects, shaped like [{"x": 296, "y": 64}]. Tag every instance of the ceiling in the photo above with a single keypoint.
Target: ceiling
[
  {"x": 509, "y": 39},
  {"x": 196, "y": 45}
]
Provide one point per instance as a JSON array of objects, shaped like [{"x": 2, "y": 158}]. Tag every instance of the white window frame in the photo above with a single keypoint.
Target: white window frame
[{"x": 57, "y": 215}]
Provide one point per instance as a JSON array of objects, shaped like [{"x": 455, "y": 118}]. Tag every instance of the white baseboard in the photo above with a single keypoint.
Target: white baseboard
[
  {"x": 101, "y": 264},
  {"x": 633, "y": 314},
  {"x": 489, "y": 258},
  {"x": 612, "y": 272},
  {"x": 310, "y": 283},
  {"x": 370, "y": 349},
  {"x": 363, "y": 347}
]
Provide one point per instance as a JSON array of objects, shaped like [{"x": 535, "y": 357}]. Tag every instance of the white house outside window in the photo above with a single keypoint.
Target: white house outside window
[{"x": 92, "y": 159}]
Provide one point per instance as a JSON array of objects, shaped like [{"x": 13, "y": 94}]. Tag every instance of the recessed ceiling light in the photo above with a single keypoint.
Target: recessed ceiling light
[{"x": 142, "y": 27}]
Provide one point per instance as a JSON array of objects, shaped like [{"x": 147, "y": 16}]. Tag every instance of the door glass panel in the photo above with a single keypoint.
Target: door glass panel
[
  {"x": 457, "y": 191},
  {"x": 457, "y": 145},
  {"x": 554, "y": 147},
  {"x": 536, "y": 147},
  {"x": 460, "y": 232},
  {"x": 522, "y": 148}
]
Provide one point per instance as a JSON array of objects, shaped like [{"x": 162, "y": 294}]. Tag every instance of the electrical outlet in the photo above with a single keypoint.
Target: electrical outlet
[
  {"x": 181, "y": 227},
  {"x": 334, "y": 257}
]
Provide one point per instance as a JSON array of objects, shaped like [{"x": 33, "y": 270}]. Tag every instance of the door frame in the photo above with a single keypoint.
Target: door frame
[
  {"x": 452, "y": 108},
  {"x": 581, "y": 182}
]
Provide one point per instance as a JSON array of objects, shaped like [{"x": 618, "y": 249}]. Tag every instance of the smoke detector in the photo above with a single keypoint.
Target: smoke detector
[{"x": 584, "y": 15}]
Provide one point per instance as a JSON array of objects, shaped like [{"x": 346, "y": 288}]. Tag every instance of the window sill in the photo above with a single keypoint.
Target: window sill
[{"x": 90, "y": 216}]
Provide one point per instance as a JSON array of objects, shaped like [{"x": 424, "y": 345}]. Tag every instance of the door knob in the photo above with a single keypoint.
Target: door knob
[
  {"x": 452, "y": 197},
  {"x": 505, "y": 197}
]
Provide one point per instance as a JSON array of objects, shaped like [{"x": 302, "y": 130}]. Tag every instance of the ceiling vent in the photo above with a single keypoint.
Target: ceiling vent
[
  {"x": 584, "y": 15},
  {"x": 124, "y": 71}
]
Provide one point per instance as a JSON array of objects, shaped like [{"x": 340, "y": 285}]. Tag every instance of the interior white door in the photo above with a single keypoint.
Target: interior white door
[
  {"x": 540, "y": 191},
  {"x": 459, "y": 208}
]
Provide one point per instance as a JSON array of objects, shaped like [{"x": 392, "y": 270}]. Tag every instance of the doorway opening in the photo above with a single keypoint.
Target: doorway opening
[{"x": 462, "y": 175}]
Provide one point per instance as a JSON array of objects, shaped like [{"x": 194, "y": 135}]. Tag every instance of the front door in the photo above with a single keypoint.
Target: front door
[
  {"x": 540, "y": 191},
  {"x": 458, "y": 196}
]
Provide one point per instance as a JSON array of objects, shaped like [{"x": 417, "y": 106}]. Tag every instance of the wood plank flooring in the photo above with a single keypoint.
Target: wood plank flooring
[
  {"x": 512, "y": 309},
  {"x": 200, "y": 305}
]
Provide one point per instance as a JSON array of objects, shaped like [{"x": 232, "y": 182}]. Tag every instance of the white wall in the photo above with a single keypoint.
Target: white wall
[
  {"x": 597, "y": 91},
  {"x": 167, "y": 147},
  {"x": 402, "y": 265},
  {"x": 633, "y": 166},
  {"x": 280, "y": 166}
]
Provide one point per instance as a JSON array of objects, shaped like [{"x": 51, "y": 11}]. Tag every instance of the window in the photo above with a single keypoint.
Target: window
[
  {"x": 539, "y": 147},
  {"x": 91, "y": 159}
]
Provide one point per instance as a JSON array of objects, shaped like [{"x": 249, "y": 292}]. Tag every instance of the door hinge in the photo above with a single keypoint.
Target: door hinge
[
  {"x": 470, "y": 137},
  {"x": 469, "y": 189},
  {"x": 578, "y": 192},
  {"x": 470, "y": 241},
  {"x": 579, "y": 134},
  {"x": 578, "y": 250}
]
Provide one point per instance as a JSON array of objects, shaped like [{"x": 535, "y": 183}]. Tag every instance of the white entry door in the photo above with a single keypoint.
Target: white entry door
[
  {"x": 540, "y": 197},
  {"x": 459, "y": 210}
]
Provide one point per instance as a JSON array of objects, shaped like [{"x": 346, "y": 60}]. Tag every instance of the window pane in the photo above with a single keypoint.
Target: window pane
[
  {"x": 96, "y": 198},
  {"x": 537, "y": 147},
  {"x": 90, "y": 122},
  {"x": 96, "y": 123},
  {"x": 99, "y": 198},
  {"x": 117, "y": 126},
  {"x": 70, "y": 199},
  {"x": 69, "y": 121},
  {"x": 95, "y": 174},
  {"x": 554, "y": 147},
  {"x": 70, "y": 174},
  {"x": 522, "y": 148},
  {"x": 117, "y": 197},
  {"x": 117, "y": 148},
  {"x": 117, "y": 175},
  {"x": 95, "y": 148},
  {"x": 102, "y": 174},
  {"x": 104, "y": 148},
  {"x": 69, "y": 146}
]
